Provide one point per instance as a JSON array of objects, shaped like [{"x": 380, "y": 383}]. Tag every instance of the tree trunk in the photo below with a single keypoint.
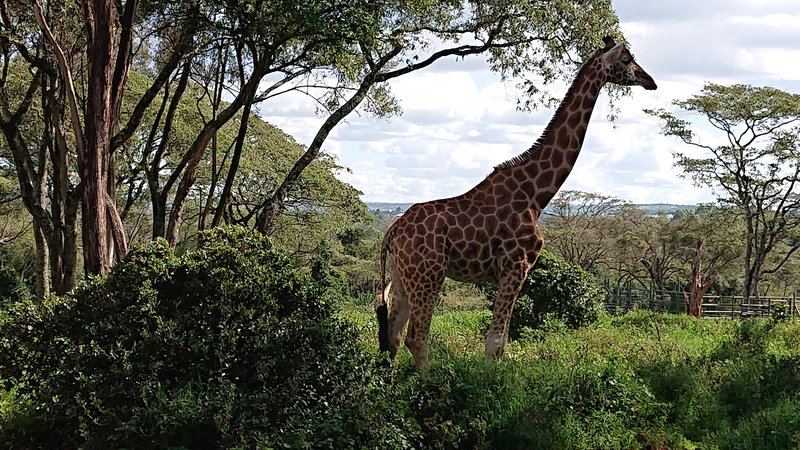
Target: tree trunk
[
  {"x": 41, "y": 264},
  {"x": 216, "y": 100},
  {"x": 693, "y": 301},
  {"x": 98, "y": 17},
  {"x": 195, "y": 153},
  {"x": 224, "y": 197}
]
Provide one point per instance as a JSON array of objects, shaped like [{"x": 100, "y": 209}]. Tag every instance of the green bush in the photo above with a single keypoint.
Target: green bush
[
  {"x": 12, "y": 289},
  {"x": 228, "y": 346},
  {"x": 556, "y": 294}
]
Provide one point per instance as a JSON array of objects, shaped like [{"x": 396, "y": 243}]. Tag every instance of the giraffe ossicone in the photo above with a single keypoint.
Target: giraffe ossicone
[{"x": 490, "y": 233}]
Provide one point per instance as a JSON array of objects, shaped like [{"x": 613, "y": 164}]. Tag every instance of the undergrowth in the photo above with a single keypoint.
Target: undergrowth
[{"x": 232, "y": 347}]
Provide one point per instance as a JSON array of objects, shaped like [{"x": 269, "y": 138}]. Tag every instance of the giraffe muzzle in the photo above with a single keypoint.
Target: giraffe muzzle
[{"x": 644, "y": 80}]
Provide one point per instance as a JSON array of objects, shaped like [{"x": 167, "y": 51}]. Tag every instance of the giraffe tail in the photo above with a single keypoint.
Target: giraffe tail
[{"x": 382, "y": 310}]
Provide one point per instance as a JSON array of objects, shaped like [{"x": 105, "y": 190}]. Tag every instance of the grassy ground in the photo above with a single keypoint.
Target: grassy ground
[
  {"x": 638, "y": 381},
  {"x": 642, "y": 380}
]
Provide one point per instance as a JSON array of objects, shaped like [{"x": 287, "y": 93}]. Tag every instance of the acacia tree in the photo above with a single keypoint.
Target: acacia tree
[{"x": 756, "y": 169}]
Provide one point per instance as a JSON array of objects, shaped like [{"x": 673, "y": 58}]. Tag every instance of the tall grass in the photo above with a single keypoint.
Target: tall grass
[
  {"x": 638, "y": 381},
  {"x": 642, "y": 380}
]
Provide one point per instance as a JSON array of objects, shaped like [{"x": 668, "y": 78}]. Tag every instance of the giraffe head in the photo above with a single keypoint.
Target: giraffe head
[{"x": 620, "y": 67}]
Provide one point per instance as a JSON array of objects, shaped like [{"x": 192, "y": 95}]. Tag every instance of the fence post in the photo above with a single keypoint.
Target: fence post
[{"x": 732, "y": 300}]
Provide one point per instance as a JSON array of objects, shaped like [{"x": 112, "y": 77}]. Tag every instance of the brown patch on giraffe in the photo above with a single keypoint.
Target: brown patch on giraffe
[
  {"x": 520, "y": 204},
  {"x": 542, "y": 198},
  {"x": 455, "y": 233},
  {"x": 587, "y": 103},
  {"x": 469, "y": 233},
  {"x": 562, "y": 140},
  {"x": 527, "y": 187},
  {"x": 557, "y": 160},
  {"x": 502, "y": 214},
  {"x": 544, "y": 165},
  {"x": 430, "y": 240},
  {"x": 490, "y": 226},
  {"x": 472, "y": 251},
  {"x": 572, "y": 157},
  {"x": 561, "y": 175},
  {"x": 573, "y": 120},
  {"x": 544, "y": 180},
  {"x": 510, "y": 184}
]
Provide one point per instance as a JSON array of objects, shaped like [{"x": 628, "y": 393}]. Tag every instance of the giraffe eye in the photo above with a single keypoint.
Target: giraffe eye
[{"x": 626, "y": 59}]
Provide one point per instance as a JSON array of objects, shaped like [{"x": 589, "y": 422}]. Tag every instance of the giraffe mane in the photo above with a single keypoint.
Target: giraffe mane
[{"x": 527, "y": 155}]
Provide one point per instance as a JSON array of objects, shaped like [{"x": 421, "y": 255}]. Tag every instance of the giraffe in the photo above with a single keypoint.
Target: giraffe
[{"x": 490, "y": 233}]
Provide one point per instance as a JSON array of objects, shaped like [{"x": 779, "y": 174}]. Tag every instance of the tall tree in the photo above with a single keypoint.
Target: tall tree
[
  {"x": 38, "y": 141},
  {"x": 61, "y": 132},
  {"x": 341, "y": 52},
  {"x": 755, "y": 167}
]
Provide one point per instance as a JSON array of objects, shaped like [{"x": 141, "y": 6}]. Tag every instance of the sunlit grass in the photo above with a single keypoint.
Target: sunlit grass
[{"x": 641, "y": 380}]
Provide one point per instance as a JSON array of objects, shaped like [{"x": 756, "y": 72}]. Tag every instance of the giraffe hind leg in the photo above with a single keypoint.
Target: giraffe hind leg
[
  {"x": 398, "y": 317},
  {"x": 419, "y": 326}
]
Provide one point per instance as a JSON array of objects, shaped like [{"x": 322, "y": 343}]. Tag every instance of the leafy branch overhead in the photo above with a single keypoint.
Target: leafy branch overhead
[{"x": 133, "y": 65}]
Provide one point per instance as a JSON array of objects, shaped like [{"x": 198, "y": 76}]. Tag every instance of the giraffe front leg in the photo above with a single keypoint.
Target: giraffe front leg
[{"x": 510, "y": 285}]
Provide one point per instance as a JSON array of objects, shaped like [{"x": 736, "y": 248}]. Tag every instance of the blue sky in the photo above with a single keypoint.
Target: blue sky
[{"x": 459, "y": 119}]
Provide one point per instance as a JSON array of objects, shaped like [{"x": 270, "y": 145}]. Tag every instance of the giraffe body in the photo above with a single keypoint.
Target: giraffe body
[{"x": 490, "y": 233}]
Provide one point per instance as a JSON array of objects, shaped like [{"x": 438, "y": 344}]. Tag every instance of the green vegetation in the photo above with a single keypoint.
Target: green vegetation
[
  {"x": 556, "y": 292},
  {"x": 234, "y": 346},
  {"x": 226, "y": 346}
]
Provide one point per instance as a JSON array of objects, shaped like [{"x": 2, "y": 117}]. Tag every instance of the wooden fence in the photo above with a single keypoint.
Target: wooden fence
[{"x": 620, "y": 299}]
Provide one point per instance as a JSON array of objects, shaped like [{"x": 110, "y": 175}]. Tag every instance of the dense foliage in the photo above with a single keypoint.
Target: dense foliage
[
  {"x": 230, "y": 346},
  {"x": 555, "y": 293},
  {"x": 640, "y": 381},
  {"x": 227, "y": 346}
]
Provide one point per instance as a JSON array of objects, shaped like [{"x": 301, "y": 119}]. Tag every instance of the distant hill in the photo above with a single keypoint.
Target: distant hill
[
  {"x": 649, "y": 208},
  {"x": 388, "y": 207},
  {"x": 654, "y": 208}
]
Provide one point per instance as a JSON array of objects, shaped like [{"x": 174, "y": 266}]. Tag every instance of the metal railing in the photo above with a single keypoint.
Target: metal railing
[{"x": 620, "y": 299}]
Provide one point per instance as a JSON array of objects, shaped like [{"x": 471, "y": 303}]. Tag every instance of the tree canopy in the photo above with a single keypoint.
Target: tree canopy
[{"x": 70, "y": 120}]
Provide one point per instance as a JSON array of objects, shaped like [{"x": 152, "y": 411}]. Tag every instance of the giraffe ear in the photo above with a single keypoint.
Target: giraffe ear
[{"x": 609, "y": 41}]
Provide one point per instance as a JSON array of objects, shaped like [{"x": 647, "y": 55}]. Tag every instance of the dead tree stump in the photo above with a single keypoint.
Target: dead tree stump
[{"x": 693, "y": 301}]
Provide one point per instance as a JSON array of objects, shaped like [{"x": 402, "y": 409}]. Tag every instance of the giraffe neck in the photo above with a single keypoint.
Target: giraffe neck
[{"x": 533, "y": 177}]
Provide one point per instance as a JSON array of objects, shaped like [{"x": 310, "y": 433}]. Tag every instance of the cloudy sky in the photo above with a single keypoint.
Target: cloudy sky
[{"x": 459, "y": 120}]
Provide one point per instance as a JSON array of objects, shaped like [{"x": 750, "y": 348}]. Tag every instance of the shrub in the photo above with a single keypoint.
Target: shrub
[
  {"x": 227, "y": 346},
  {"x": 556, "y": 293},
  {"x": 12, "y": 289}
]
